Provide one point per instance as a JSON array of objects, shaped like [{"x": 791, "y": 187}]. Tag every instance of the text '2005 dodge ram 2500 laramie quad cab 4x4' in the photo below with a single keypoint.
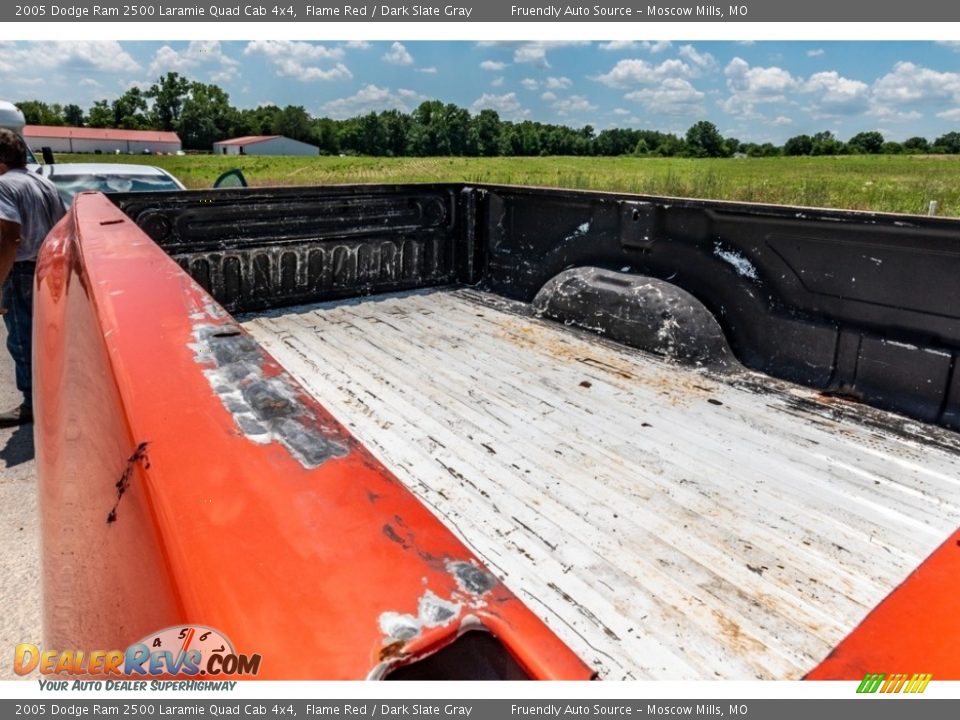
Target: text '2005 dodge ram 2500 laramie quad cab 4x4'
[{"x": 480, "y": 431}]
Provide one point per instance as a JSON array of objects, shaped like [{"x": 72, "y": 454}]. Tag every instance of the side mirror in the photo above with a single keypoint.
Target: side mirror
[
  {"x": 231, "y": 179},
  {"x": 47, "y": 155}
]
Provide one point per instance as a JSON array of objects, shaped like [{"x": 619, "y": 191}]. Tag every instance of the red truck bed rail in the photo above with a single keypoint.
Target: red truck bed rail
[{"x": 187, "y": 479}]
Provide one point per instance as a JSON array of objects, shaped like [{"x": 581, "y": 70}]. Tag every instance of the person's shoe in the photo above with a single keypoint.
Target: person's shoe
[{"x": 18, "y": 416}]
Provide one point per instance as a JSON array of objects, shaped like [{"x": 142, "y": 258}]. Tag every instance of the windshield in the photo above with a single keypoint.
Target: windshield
[{"x": 70, "y": 185}]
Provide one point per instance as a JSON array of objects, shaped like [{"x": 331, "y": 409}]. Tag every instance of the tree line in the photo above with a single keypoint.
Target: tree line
[{"x": 201, "y": 114}]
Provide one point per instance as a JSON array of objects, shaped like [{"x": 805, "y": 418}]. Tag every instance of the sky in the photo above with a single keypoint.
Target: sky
[{"x": 755, "y": 91}]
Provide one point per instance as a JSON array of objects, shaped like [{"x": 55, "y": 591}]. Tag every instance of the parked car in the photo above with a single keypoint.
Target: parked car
[{"x": 72, "y": 178}]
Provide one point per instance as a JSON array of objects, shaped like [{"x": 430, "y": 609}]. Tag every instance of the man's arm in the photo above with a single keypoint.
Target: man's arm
[{"x": 9, "y": 241}]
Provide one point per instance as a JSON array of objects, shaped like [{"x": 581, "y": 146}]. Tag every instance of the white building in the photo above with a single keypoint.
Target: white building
[
  {"x": 104, "y": 140},
  {"x": 264, "y": 145}
]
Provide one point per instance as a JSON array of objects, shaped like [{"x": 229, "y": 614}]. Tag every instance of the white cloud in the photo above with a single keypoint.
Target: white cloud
[
  {"x": 549, "y": 96},
  {"x": 530, "y": 84},
  {"x": 508, "y": 106},
  {"x": 910, "y": 83},
  {"x": 197, "y": 55},
  {"x": 703, "y": 60},
  {"x": 397, "y": 55},
  {"x": 105, "y": 56},
  {"x": 620, "y": 111},
  {"x": 617, "y": 45},
  {"x": 427, "y": 70},
  {"x": 372, "y": 98},
  {"x": 888, "y": 114},
  {"x": 89, "y": 82},
  {"x": 558, "y": 83},
  {"x": 572, "y": 105},
  {"x": 493, "y": 65},
  {"x": 950, "y": 45},
  {"x": 496, "y": 82},
  {"x": 674, "y": 96},
  {"x": 536, "y": 55},
  {"x": 301, "y": 51},
  {"x": 836, "y": 94},
  {"x": 629, "y": 73},
  {"x": 651, "y": 47},
  {"x": 300, "y": 60},
  {"x": 533, "y": 53},
  {"x": 952, "y": 115},
  {"x": 656, "y": 47},
  {"x": 781, "y": 121},
  {"x": 815, "y": 53},
  {"x": 750, "y": 86},
  {"x": 357, "y": 45},
  {"x": 896, "y": 96}
]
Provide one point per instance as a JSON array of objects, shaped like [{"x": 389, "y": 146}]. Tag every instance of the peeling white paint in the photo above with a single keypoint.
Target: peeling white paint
[
  {"x": 432, "y": 611},
  {"x": 582, "y": 229},
  {"x": 743, "y": 266}
]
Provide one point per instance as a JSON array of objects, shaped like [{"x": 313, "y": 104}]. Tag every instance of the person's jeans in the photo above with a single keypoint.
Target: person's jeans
[{"x": 18, "y": 301}]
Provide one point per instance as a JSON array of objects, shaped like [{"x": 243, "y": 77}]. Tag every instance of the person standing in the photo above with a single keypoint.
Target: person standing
[{"x": 29, "y": 207}]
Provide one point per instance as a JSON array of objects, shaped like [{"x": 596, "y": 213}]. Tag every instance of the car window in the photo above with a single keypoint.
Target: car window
[{"x": 70, "y": 185}]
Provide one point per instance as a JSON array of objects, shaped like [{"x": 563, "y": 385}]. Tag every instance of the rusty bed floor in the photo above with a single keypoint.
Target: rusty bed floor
[{"x": 667, "y": 524}]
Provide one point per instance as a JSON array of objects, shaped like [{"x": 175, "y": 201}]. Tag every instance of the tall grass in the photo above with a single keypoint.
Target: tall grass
[{"x": 903, "y": 184}]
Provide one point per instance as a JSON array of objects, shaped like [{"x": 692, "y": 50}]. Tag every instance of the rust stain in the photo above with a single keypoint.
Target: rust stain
[
  {"x": 139, "y": 456},
  {"x": 549, "y": 338},
  {"x": 393, "y": 651},
  {"x": 735, "y": 638}
]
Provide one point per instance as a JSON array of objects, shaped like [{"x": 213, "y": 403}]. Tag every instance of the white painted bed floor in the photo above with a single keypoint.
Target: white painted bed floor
[{"x": 666, "y": 523}]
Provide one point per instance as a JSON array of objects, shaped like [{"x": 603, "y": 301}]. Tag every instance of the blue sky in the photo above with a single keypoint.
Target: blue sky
[{"x": 762, "y": 91}]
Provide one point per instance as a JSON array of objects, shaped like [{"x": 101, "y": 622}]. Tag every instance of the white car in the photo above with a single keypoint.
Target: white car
[{"x": 72, "y": 178}]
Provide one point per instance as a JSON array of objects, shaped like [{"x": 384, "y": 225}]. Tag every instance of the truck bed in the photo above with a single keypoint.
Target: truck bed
[{"x": 666, "y": 522}]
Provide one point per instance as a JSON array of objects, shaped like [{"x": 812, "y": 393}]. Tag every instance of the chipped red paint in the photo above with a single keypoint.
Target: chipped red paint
[
  {"x": 915, "y": 629},
  {"x": 289, "y": 562}
]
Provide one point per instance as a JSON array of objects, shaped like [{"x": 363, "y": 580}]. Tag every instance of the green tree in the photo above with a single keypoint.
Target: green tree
[
  {"x": 100, "y": 115},
  {"x": 372, "y": 137},
  {"x": 456, "y": 124},
  {"x": 293, "y": 122},
  {"x": 485, "y": 132},
  {"x": 798, "y": 145},
  {"x": 206, "y": 117},
  {"x": 36, "y": 112},
  {"x": 916, "y": 144},
  {"x": 824, "y": 143},
  {"x": 867, "y": 143},
  {"x": 73, "y": 115},
  {"x": 948, "y": 143},
  {"x": 168, "y": 95},
  {"x": 396, "y": 131},
  {"x": 704, "y": 140},
  {"x": 130, "y": 110},
  {"x": 326, "y": 136}
]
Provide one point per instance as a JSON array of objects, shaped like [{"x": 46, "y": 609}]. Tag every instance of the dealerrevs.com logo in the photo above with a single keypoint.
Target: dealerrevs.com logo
[
  {"x": 895, "y": 683},
  {"x": 191, "y": 651}
]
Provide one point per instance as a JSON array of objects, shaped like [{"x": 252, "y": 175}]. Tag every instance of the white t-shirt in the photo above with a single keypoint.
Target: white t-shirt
[{"x": 32, "y": 202}]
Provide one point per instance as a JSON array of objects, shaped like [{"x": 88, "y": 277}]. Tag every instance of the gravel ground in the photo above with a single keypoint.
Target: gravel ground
[{"x": 19, "y": 528}]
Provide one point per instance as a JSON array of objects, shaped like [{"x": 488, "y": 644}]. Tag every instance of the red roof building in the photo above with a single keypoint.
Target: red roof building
[
  {"x": 102, "y": 140},
  {"x": 264, "y": 145}
]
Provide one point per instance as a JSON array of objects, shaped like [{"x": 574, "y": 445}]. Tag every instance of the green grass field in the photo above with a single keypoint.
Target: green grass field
[{"x": 903, "y": 184}]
